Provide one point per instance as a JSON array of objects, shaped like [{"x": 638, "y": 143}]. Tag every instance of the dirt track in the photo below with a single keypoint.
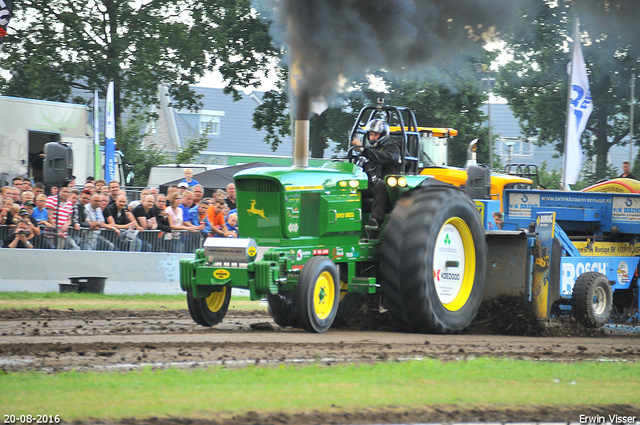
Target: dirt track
[{"x": 52, "y": 341}]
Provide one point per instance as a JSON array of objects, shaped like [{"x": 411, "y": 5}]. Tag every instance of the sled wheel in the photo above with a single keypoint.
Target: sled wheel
[
  {"x": 591, "y": 299},
  {"x": 282, "y": 309},
  {"x": 348, "y": 305},
  {"x": 317, "y": 294},
  {"x": 389, "y": 271},
  {"x": 211, "y": 310},
  {"x": 444, "y": 257}
]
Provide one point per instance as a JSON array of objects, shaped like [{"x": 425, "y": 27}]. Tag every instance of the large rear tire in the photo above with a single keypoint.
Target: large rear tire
[
  {"x": 591, "y": 299},
  {"x": 348, "y": 305},
  {"x": 211, "y": 310},
  {"x": 443, "y": 254},
  {"x": 317, "y": 294},
  {"x": 389, "y": 271},
  {"x": 282, "y": 309}
]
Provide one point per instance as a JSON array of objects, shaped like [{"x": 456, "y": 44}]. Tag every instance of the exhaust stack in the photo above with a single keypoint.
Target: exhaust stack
[{"x": 301, "y": 132}]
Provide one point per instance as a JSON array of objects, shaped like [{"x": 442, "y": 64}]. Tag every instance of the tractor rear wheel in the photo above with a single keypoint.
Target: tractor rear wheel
[
  {"x": 591, "y": 299},
  {"x": 211, "y": 310},
  {"x": 389, "y": 271},
  {"x": 443, "y": 255},
  {"x": 282, "y": 309},
  {"x": 317, "y": 294}
]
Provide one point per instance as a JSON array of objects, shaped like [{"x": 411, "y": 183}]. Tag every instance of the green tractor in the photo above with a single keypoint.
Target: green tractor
[{"x": 305, "y": 248}]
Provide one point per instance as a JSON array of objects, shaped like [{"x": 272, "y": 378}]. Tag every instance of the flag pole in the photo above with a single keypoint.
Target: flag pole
[{"x": 563, "y": 183}]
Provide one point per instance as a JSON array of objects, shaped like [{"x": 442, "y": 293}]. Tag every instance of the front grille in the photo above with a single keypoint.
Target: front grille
[{"x": 256, "y": 185}]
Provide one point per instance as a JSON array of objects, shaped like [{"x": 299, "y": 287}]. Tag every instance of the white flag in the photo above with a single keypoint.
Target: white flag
[{"x": 580, "y": 108}]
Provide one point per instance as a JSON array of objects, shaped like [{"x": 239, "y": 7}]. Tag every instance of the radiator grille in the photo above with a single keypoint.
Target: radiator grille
[{"x": 257, "y": 185}]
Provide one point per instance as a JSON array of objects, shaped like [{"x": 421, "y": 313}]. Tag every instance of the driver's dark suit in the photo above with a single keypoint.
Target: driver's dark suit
[{"x": 388, "y": 163}]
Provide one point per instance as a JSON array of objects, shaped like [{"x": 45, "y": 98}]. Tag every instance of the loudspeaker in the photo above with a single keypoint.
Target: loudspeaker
[{"x": 58, "y": 164}]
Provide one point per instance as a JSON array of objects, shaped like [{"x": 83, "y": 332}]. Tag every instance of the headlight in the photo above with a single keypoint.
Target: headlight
[
  {"x": 392, "y": 181},
  {"x": 402, "y": 182},
  {"x": 354, "y": 183}
]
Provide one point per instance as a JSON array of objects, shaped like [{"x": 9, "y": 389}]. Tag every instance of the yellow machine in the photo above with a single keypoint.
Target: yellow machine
[{"x": 432, "y": 154}]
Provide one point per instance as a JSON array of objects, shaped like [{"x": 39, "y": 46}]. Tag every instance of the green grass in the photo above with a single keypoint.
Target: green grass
[
  {"x": 223, "y": 392},
  {"x": 77, "y": 301}
]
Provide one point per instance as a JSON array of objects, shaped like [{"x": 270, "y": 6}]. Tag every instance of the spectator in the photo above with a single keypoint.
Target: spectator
[
  {"x": 90, "y": 186},
  {"x": 26, "y": 185},
  {"x": 216, "y": 218},
  {"x": 17, "y": 182},
  {"x": 38, "y": 189},
  {"x": 15, "y": 194},
  {"x": 162, "y": 219},
  {"x": 40, "y": 213},
  {"x": 90, "y": 179},
  {"x": 54, "y": 190},
  {"x": 182, "y": 187},
  {"x": 146, "y": 214},
  {"x": 60, "y": 211},
  {"x": 79, "y": 210},
  {"x": 6, "y": 217},
  {"x": 26, "y": 196},
  {"x": 117, "y": 214},
  {"x": 14, "y": 210},
  {"x": 198, "y": 216},
  {"x": 187, "y": 203},
  {"x": 232, "y": 223},
  {"x": 171, "y": 189},
  {"x": 175, "y": 214},
  {"x": 99, "y": 184},
  {"x": 95, "y": 219},
  {"x": 220, "y": 194},
  {"x": 626, "y": 171},
  {"x": 198, "y": 193},
  {"x": 153, "y": 191},
  {"x": 114, "y": 190},
  {"x": 188, "y": 178},
  {"x": 72, "y": 183},
  {"x": 231, "y": 196},
  {"x": 20, "y": 239},
  {"x": 25, "y": 214}
]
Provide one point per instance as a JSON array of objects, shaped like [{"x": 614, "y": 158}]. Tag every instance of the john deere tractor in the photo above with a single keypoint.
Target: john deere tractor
[{"x": 304, "y": 246}]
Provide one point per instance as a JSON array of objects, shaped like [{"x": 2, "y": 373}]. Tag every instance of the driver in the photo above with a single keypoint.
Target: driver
[{"x": 386, "y": 159}]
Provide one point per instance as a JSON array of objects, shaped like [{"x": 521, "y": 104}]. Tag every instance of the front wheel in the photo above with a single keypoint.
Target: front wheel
[
  {"x": 318, "y": 294},
  {"x": 444, "y": 254},
  {"x": 211, "y": 310},
  {"x": 591, "y": 299}
]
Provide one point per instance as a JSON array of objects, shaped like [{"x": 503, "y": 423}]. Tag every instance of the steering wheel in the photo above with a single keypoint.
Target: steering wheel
[{"x": 364, "y": 156}]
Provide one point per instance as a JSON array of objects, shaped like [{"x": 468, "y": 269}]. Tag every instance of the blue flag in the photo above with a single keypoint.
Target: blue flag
[{"x": 110, "y": 138}]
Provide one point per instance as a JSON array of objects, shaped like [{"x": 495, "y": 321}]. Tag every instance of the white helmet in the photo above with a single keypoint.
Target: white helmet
[{"x": 378, "y": 126}]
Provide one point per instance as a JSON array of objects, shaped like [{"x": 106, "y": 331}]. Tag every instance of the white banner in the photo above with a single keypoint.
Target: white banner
[{"x": 580, "y": 108}]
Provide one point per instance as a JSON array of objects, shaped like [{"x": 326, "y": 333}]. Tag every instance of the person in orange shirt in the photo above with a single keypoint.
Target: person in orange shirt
[{"x": 216, "y": 218}]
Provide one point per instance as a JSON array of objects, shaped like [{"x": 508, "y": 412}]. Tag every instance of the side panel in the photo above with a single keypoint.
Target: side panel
[{"x": 507, "y": 268}]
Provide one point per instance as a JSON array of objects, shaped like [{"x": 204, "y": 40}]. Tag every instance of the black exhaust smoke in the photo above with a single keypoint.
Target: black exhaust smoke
[{"x": 336, "y": 40}]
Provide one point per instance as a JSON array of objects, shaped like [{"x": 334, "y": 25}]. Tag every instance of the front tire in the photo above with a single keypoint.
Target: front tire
[
  {"x": 211, "y": 310},
  {"x": 591, "y": 300},
  {"x": 444, "y": 256},
  {"x": 318, "y": 295}
]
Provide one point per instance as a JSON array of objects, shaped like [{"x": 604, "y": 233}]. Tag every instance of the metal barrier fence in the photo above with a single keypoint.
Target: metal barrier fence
[{"x": 177, "y": 241}]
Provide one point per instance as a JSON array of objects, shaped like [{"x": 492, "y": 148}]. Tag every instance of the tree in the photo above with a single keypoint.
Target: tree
[
  {"x": 535, "y": 81},
  {"x": 59, "y": 44},
  {"x": 194, "y": 146}
]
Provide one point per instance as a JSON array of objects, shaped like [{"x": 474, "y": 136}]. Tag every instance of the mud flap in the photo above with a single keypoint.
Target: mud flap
[{"x": 508, "y": 265}]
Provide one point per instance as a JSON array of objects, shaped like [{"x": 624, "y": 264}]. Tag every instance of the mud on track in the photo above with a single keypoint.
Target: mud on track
[{"x": 102, "y": 340}]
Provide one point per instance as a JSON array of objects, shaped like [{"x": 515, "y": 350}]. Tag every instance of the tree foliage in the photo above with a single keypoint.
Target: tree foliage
[
  {"x": 55, "y": 45},
  {"x": 535, "y": 81}
]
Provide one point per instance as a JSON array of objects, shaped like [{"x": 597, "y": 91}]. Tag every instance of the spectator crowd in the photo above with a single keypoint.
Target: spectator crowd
[{"x": 100, "y": 216}]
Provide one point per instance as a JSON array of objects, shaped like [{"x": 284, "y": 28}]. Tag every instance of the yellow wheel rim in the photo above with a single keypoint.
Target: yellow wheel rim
[
  {"x": 215, "y": 301},
  {"x": 324, "y": 295},
  {"x": 454, "y": 264}
]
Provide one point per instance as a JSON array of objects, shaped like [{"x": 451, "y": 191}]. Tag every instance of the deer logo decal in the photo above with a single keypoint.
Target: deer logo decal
[{"x": 255, "y": 211}]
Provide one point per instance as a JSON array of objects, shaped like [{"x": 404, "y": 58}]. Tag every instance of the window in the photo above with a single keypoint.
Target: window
[{"x": 210, "y": 124}]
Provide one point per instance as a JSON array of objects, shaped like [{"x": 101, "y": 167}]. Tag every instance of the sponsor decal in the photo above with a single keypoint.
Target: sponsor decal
[
  {"x": 324, "y": 251},
  {"x": 625, "y": 209},
  {"x": 299, "y": 255},
  {"x": 520, "y": 205},
  {"x": 571, "y": 271},
  {"x": 221, "y": 274},
  {"x": 302, "y": 188},
  {"x": 623, "y": 273},
  {"x": 251, "y": 251}
]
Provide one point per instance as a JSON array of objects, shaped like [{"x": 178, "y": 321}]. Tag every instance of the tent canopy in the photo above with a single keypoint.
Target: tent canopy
[{"x": 216, "y": 179}]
